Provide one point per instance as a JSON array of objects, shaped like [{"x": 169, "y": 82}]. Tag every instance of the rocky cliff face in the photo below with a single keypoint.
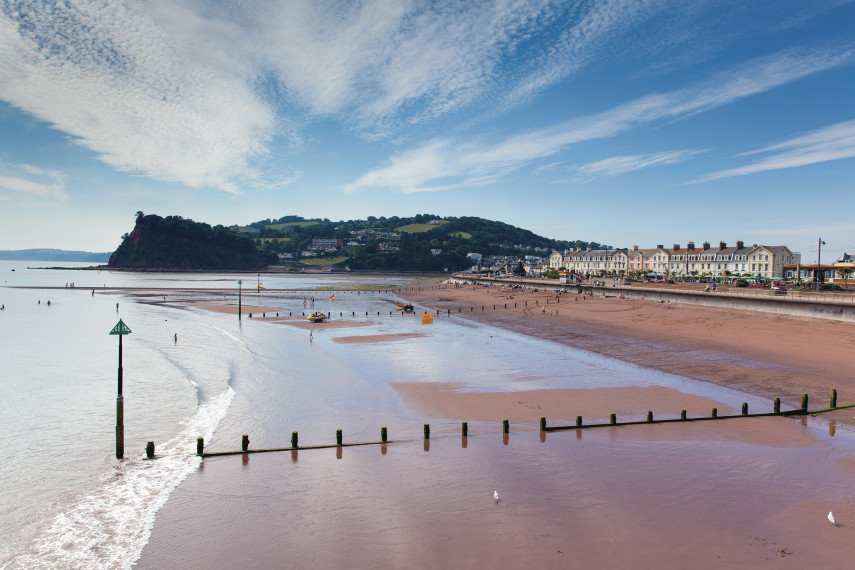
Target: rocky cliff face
[{"x": 177, "y": 243}]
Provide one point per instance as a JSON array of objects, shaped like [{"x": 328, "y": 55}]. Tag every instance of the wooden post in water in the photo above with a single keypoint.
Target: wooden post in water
[
  {"x": 744, "y": 408},
  {"x": 833, "y": 402},
  {"x": 578, "y": 421},
  {"x": 295, "y": 439},
  {"x": 682, "y": 414},
  {"x": 506, "y": 426},
  {"x": 714, "y": 413},
  {"x": 244, "y": 442},
  {"x": 200, "y": 445},
  {"x": 804, "y": 402},
  {"x": 464, "y": 429},
  {"x": 383, "y": 434},
  {"x": 427, "y": 431},
  {"x": 338, "y": 437},
  {"x": 613, "y": 418},
  {"x": 649, "y": 416},
  {"x": 542, "y": 423},
  {"x": 149, "y": 450}
]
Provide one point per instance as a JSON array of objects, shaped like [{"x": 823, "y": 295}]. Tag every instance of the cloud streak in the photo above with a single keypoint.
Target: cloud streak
[
  {"x": 47, "y": 184},
  {"x": 834, "y": 142},
  {"x": 445, "y": 163},
  {"x": 618, "y": 165}
]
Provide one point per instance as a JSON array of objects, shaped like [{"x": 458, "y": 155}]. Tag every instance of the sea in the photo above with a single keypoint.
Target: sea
[{"x": 67, "y": 501}]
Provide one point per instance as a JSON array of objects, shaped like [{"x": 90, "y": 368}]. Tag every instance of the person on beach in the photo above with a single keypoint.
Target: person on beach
[
  {"x": 310, "y": 336},
  {"x": 117, "y": 307},
  {"x": 176, "y": 337}
]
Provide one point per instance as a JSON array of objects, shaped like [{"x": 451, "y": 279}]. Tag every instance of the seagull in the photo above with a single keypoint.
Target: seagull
[
  {"x": 496, "y": 496},
  {"x": 831, "y": 518}
]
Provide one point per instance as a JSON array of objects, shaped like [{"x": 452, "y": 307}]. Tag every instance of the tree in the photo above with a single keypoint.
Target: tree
[
  {"x": 846, "y": 272},
  {"x": 520, "y": 270}
]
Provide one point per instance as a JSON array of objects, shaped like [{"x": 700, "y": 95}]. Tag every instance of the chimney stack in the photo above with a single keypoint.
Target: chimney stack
[
  {"x": 722, "y": 245},
  {"x": 659, "y": 246},
  {"x": 706, "y": 245},
  {"x": 676, "y": 246},
  {"x": 691, "y": 245},
  {"x": 635, "y": 248},
  {"x": 740, "y": 244}
]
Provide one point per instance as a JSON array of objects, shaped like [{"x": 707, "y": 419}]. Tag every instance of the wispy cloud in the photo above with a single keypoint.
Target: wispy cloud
[
  {"x": 48, "y": 184},
  {"x": 834, "y": 142},
  {"x": 455, "y": 163},
  {"x": 617, "y": 165}
]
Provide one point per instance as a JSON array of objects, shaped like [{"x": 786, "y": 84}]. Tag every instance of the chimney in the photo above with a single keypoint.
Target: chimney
[
  {"x": 740, "y": 244},
  {"x": 706, "y": 245},
  {"x": 659, "y": 246},
  {"x": 589, "y": 248},
  {"x": 722, "y": 245},
  {"x": 691, "y": 245},
  {"x": 676, "y": 246},
  {"x": 635, "y": 248}
]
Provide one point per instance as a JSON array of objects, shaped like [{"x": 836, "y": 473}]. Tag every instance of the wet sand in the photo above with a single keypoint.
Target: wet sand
[
  {"x": 758, "y": 353},
  {"x": 745, "y": 492}
]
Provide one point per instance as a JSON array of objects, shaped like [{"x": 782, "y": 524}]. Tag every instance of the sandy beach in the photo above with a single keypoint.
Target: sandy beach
[{"x": 750, "y": 492}]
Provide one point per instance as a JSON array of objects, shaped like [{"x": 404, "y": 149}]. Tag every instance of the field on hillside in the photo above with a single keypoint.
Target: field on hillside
[
  {"x": 321, "y": 261},
  {"x": 464, "y": 235},
  {"x": 417, "y": 228}
]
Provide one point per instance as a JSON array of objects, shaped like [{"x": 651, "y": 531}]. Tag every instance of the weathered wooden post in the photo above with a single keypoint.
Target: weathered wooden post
[
  {"x": 295, "y": 439},
  {"x": 149, "y": 450},
  {"x": 506, "y": 427},
  {"x": 613, "y": 418},
  {"x": 244, "y": 442},
  {"x": 383, "y": 434},
  {"x": 578, "y": 421},
  {"x": 714, "y": 413},
  {"x": 542, "y": 423},
  {"x": 776, "y": 407},
  {"x": 804, "y": 402},
  {"x": 338, "y": 437},
  {"x": 427, "y": 431},
  {"x": 744, "y": 408},
  {"x": 833, "y": 402},
  {"x": 464, "y": 429},
  {"x": 121, "y": 330},
  {"x": 682, "y": 414},
  {"x": 649, "y": 416},
  {"x": 200, "y": 445}
]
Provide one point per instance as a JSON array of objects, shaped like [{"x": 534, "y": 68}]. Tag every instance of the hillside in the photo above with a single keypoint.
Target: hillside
[{"x": 177, "y": 243}]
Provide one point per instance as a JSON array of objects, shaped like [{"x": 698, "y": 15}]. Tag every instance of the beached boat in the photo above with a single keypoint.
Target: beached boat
[
  {"x": 317, "y": 317},
  {"x": 409, "y": 308}
]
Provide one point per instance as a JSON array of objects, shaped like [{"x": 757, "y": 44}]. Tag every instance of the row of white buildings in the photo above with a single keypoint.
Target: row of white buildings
[{"x": 760, "y": 261}]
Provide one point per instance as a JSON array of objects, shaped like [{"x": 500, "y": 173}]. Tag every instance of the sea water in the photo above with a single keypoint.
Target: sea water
[{"x": 66, "y": 501}]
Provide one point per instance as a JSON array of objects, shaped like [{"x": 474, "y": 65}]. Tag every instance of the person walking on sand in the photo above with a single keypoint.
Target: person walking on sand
[
  {"x": 176, "y": 337},
  {"x": 310, "y": 336}
]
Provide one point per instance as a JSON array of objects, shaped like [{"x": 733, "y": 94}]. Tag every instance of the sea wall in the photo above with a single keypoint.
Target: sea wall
[{"x": 819, "y": 305}]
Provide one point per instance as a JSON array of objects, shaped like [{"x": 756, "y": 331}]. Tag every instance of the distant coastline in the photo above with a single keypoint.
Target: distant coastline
[{"x": 53, "y": 255}]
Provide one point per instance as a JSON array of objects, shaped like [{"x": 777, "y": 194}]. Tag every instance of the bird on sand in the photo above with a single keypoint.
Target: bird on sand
[
  {"x": 831, "y": 518},
  {"x": 496, "y": 496}
]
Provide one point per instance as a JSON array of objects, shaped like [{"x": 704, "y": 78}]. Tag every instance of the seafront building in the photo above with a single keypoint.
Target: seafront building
[{"x": 755, "y": 261}]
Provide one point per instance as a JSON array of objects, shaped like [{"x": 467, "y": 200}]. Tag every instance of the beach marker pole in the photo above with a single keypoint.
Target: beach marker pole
[
  {"x": 649, "y": 416},
  {"x": 744, "y": 408},
  {"x": 777, "y": 406},
  {"x": 542, "y": 423},
  {"x": 120, "y": 329},
  {"x": 804, "y": 402},
  {"x": 682, "y": 414},
  {"x": 338, "y": 437},
  {"x": 578, "y": 421},
  {"x": 239, "y": 298},
  {"x": 244, "y": 442},
  {"x": 714, "y": 413},
  {"x": 427, "y": 431},
  {"x": 613, "y": 419},
  {"x": 464, "y": 429},
  {"x": 200, "y": 445},
  {"x": 149, "y": 450},
  {"x": 833, "y": 403},
  {"x": 383, "y": 434},
  {"x": 294, "y": 440},
  {"x": 506, "y": 427}
]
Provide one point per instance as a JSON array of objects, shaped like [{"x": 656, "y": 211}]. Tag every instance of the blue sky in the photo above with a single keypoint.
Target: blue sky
[{"x": 627, "y": 123}]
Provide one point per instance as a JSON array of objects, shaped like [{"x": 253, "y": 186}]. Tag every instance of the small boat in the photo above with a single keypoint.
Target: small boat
[
  {"x": 409, "y": 308},
  {"x": 317, "y": 317}
]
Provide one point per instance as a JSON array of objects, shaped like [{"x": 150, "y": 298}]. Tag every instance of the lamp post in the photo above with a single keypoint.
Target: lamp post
[
  {"x": 120, "y": 329},
  {"x": 818, "y": 253},
  {"x": 239, "y": 291}
]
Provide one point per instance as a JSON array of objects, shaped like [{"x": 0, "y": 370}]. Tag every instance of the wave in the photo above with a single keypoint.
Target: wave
[{"x": 109, "y": 527}]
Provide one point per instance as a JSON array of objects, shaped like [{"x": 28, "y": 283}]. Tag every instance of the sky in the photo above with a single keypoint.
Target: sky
[{"x": 622, "y": 122}]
